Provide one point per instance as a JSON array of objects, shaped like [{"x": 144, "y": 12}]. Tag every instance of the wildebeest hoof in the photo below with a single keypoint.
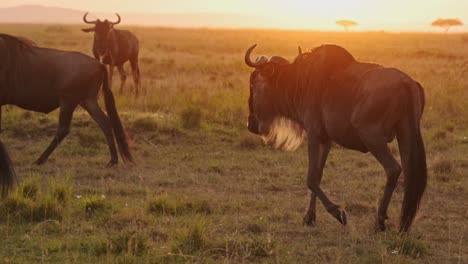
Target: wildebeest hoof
[
  {"x": 308, "y": 221},
  {"x": 380, "y": 223},
  {"x": 341, "y": 216},
  {"x": 380, "y": 227},
  {"x": 40, "y": 162},
  {"x": 111, "y": 163}
]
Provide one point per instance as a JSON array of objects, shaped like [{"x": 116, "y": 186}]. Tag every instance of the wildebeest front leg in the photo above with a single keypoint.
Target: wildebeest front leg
[
  {"x": 103, "y": 121},
  {"x": 65, "y": 117},
  {"x": 123, "y": 78},
  {"x": 313, "y": 181},
  {"x": 324, "y": 149}
]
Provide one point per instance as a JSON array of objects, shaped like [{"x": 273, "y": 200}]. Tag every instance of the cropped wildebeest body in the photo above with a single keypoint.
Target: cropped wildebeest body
[
  {"x": 41, "y": 80},
  {"x": 115, "y": 47},
  {"x": 31, "y": 43},
  {"x": 328, "y": 96}
]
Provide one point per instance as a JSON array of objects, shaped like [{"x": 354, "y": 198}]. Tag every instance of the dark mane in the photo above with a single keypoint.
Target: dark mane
[
  {"x": 312, "y": 70},
  {"x": 12, "y": 50},
  {"x": 18, "y": 42},
  {"x": 336, "y": 56},
  {"x": 299, "y": 86}
]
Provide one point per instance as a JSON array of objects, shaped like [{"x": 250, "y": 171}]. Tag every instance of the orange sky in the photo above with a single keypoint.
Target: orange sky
[{"x": 371, "y": 14}]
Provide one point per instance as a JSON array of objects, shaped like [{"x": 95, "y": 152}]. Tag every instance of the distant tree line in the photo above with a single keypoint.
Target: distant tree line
[{"x": 444, "y": 23}]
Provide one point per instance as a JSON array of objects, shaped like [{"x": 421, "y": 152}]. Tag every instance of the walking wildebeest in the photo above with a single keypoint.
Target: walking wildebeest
[
  {"x": 328, "y": 96},
  {"x": 115, "y": 47},
  {"x": 31, "y": 43},
  {"x": 41, "y": 80}
]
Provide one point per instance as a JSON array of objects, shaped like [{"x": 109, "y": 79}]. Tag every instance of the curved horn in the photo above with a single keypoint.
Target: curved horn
[
  {"x": 259, "y": 62},
  {"x": 299, "y": 49},
  {"x": 118, "y": 21},
  {"x": 86, "y": 21}
]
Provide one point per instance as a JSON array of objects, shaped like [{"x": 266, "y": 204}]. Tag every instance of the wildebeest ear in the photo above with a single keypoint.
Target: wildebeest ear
[{"x": 87, "y": 30}]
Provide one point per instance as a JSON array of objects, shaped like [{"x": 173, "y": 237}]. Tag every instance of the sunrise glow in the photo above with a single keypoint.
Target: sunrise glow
[{"x": 397, "y": 15}]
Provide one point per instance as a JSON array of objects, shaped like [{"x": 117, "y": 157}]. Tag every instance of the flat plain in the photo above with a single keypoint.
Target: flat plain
[{"x": 204, "y": 190}]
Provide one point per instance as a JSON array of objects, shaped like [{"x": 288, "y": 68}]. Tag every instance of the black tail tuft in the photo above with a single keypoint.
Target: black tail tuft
[
  {"x": 7, "y": 174},
  {"x": 117, "y": 127}
]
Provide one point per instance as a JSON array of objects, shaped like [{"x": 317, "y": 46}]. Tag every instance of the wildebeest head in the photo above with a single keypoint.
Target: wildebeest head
[
  {"x": 265, "y": 116},
  {"x": 100, "y": 29}
]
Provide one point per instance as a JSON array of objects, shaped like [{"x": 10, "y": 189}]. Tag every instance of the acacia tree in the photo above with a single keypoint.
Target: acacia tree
[
  {"x": 447, "y": 23},
  {"x": 346, "y": 24}
]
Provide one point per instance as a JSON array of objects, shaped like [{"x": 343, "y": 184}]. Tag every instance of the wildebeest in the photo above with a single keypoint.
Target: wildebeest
[
  {"x": 115, "y": 47},
  {"x": 329, "y": 96},
  {"x": 41, "y": 80},
  {"x": 31, "y": 43}
]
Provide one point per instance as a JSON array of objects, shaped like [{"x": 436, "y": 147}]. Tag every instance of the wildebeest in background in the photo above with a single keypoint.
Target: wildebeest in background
[
  {"x": 115, "y": 47},
  {"x": 41, "y": 80},
  {"x": 328, "y": 96}
]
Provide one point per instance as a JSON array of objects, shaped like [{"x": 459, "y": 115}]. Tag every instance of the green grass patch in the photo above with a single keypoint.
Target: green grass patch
[
  {"x": 165, "y": 205},
  {"x": 96, "y": 205}
]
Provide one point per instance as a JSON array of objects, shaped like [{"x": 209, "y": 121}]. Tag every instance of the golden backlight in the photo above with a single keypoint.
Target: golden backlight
[{"x": 395, "y": 15}]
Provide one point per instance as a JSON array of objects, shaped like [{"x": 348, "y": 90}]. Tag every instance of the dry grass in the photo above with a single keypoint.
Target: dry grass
[{"x": 203, "y": 190}]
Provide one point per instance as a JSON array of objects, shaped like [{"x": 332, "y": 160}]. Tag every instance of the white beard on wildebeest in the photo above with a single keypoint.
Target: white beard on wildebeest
[
  {"x": 329, "y": 96},
  {"x": 42, "y": 80}
]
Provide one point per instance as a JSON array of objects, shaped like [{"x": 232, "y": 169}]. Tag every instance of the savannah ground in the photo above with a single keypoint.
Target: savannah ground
[{"x": 203, "y": 189}]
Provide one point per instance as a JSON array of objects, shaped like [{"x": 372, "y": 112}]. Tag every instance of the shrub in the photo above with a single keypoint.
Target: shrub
[
  {"x": 61, "y": 192},
  {"x": 29, "y": 189},
  {"x": 46, "y": 208},
  {"x": 24, "y": 209}
]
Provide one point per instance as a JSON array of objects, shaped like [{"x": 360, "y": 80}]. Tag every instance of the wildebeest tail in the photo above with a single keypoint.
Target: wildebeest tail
[
  {"x": 7, "y": 174},
  {"x": 416, "y": 171},
  {"x": 117, "y": 127}
]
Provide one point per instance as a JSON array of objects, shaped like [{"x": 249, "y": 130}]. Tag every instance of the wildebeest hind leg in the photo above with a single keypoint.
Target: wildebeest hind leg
[
  {"x": 310, "y": 216},
  {"x": 104, "y": 123},
  {"x": 65, "y": 117},
  {"x": 377, "y": 145},
  {"x": 123, "y": 78}
]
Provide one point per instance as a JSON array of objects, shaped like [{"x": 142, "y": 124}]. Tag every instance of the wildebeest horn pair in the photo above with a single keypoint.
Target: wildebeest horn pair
[
  {"x": 95, "y": 21},
  {"x": 262, "y": 60}
]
